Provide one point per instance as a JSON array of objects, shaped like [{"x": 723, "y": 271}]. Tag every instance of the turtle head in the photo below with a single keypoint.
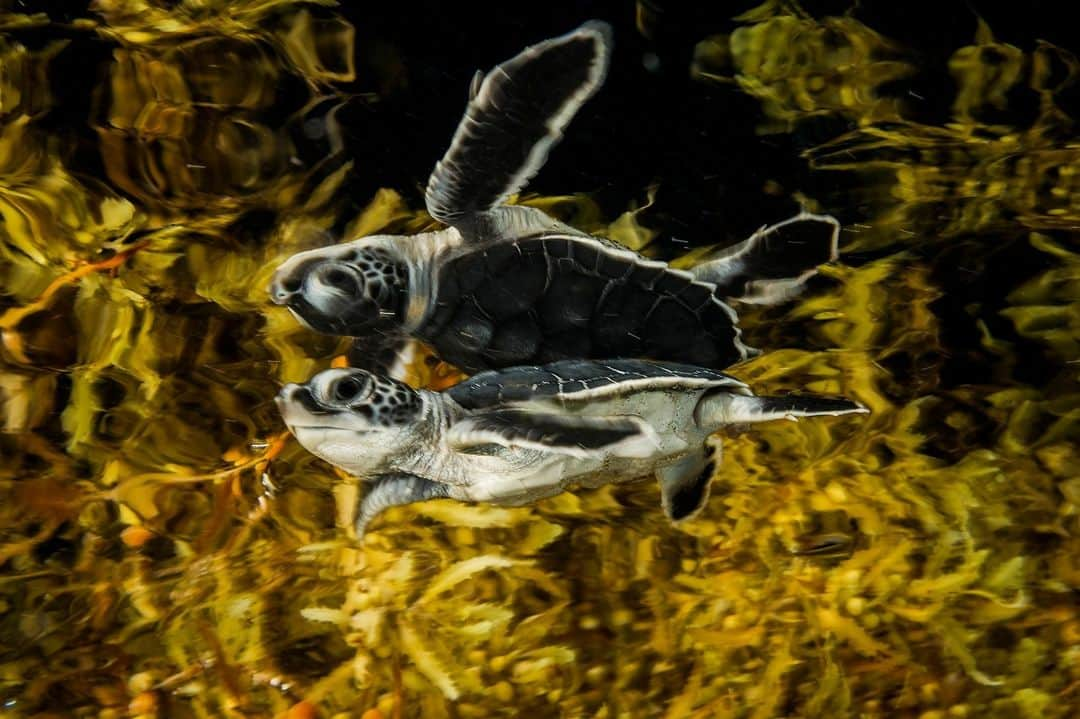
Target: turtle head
[
  {"x": 352, "y": 418},
  {"x": 344, "y": 289}
]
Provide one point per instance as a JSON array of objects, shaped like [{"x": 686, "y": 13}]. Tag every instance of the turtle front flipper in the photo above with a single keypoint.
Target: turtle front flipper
[
  {"x": 575, "y": 436},
  {"x": 395, "y": 490},
  {"x": 774, "y": 264},
  {"x": 514, "y": 117},
  {"x": 684, "y": 485}
]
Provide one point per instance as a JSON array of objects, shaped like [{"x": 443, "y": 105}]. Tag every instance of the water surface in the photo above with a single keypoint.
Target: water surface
[{"x": 167, "y": 550}]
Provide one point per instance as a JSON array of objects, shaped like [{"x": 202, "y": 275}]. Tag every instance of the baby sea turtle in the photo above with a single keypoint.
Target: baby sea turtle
[
  {"x": 507, "y": 285},
  {"x": 513, "y": 436}
]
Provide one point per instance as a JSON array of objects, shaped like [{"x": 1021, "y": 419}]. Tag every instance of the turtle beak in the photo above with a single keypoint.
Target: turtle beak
[
  {"x": 314, "y": 274},
  {"x": 296, "y": 402},
  {"x": 288, "y": 282},
  {"x": 326, "y": 295},
  {"x": 285, "y": 401}
]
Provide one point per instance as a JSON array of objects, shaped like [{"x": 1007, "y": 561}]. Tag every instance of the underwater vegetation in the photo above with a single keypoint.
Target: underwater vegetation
[{"x": 167, "y": 550}]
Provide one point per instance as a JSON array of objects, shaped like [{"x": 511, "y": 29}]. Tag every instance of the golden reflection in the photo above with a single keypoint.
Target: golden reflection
[
  {"x": 167, "y": 550},
  {"x": 798, "y": 66}
]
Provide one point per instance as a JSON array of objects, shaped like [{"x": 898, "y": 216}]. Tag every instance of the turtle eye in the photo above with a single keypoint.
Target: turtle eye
[
  {"x": 329, "y": 275},
  {"x": 291, "y": 284},
  {"x": 347, "y": 389},
  {"x": 338, "y": 278}
]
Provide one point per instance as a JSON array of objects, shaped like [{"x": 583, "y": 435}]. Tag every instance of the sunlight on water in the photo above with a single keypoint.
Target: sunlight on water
[{"x": 167, "y": 550}]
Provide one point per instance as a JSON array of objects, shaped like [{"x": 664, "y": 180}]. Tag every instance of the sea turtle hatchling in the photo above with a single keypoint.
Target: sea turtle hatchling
[
  {"x": 513, "y": 436},
  {"x": 508, "y": 285}
]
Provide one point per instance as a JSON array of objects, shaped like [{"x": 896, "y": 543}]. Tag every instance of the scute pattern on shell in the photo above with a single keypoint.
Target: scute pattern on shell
[
  {"x": 577, "y": 379},
  {"x": 549, "y": 297}
]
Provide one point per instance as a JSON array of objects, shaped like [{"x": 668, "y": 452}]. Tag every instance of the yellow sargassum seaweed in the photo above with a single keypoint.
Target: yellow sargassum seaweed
[{"x": 167, "y": 550}]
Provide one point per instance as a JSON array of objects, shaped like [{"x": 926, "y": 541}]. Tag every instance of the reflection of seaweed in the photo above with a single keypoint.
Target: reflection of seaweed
[
  {"x": 43, "y": 207},
  {"x": 208, "y": 153},
  {"x": 1047, "y": 307},
  {"x": 800, "y": 67},
  {"x": 129, "y": 507},
  {"x": 982, "y": 176},
  {"x": 181, "y": 123}
]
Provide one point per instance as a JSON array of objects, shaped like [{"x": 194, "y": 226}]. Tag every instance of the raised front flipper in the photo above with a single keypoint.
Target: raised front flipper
[
  {"x": 395, "y": 490},
  {"x": 684, "y": 485},
  {"x": 774, "y": 264},
  {"x": 576, "y": 436},
  {"x": 514, "y": 117}
]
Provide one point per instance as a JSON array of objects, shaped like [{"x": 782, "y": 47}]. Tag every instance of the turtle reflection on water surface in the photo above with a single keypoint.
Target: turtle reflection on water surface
[
  {"x": 508, "y": 285},
  {"x": 510, "y": 437}
]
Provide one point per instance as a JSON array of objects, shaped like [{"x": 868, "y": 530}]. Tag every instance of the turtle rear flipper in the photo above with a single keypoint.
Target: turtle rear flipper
[
  {"x": 774, "y": 263},
  {"x": 576, "y": 436},
  {"x": 723, "y": 407},
  {"x": 684, "y": 485},
  {"x": 514, "y": 117}
]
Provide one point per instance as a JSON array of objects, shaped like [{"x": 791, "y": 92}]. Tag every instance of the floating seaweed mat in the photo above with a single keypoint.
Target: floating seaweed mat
[{"x": 166, "y": 549}]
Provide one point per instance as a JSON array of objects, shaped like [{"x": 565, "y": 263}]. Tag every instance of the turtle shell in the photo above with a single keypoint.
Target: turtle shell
[
  {"x": 581, "y": 380},
  {"x": 550, "y": 297}
]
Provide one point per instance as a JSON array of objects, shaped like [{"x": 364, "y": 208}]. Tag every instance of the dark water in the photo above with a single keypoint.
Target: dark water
[{"x": 167, "y": 550}]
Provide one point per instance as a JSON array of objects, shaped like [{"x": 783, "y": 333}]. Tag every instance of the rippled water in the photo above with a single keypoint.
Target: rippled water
[{"x": 167, "y": 550}]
